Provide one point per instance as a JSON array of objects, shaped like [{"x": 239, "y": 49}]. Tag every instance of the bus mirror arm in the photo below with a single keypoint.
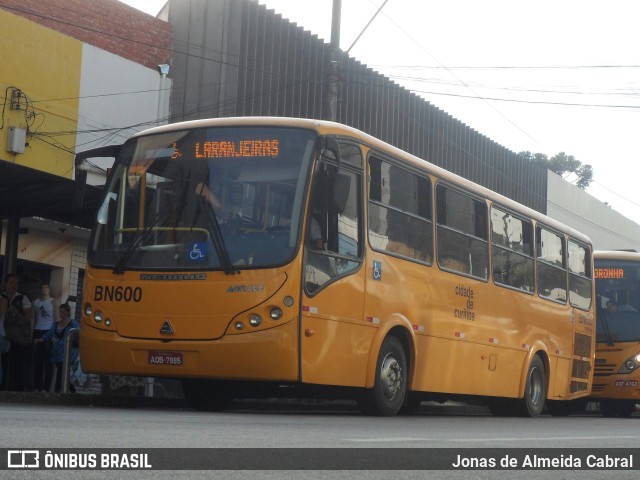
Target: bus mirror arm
[
  {"x": 81, "y": 175},
  {"x": 328, "y": 143}
]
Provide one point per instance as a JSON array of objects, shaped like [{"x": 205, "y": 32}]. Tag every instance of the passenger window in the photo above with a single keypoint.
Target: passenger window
[
  {"x": 552, "y": 272},
  {"x": 462, "y": 233},
  {"x": 512, "y": 253},
  {"x": 579, "y": 276},
  {"x": 333, "y": 238},
  {"x": 400, "y": 211}
]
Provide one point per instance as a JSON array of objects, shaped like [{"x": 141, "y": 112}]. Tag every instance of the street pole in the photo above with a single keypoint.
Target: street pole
[{"x": 333, "y": 78}]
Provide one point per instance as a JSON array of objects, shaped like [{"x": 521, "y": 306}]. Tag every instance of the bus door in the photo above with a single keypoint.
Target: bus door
[{"x": 333, "y": 349}]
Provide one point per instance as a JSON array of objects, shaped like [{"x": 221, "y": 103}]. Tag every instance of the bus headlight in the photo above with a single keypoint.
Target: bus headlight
[
  {"x": 630, "y": 364},
  {"x": 239, "y": 325},
  {"x": 97, "y": 317},
  {"x": 255, "y": 320},
  {"x": 87, "y": 309},
  {"x": 276, "y": 313}
]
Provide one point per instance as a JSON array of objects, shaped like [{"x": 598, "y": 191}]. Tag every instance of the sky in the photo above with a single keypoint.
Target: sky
[{"x": 544, "y": 76}]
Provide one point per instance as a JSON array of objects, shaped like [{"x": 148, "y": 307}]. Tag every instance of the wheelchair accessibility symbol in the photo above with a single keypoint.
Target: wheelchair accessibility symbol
[
  {"x": 377, "y": 270},
  {"x": 198, "y": 252}
]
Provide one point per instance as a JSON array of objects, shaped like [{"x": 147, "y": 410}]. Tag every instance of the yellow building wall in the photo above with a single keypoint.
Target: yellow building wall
[{"x": 45, "y": 65}]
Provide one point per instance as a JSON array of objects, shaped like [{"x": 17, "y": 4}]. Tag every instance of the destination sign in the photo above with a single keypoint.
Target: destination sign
[
  {"x": 237, "y": 149},
  {"x": 609, "y": 273}
]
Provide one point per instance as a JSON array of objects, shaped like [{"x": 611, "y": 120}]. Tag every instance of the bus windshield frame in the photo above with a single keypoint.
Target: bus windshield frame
[
  {"x": 618, "y": 294},
  {"x": 225, "y": 198}
]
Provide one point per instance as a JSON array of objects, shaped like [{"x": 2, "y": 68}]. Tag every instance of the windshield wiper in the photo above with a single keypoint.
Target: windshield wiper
[
  {"x": 605, "y": 327},
  {"x": 216, "y": 235},
  {"x": 142, "y": 236}
]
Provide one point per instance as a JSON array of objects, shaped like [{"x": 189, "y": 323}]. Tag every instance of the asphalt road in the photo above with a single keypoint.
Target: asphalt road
[{"x": 50, "y": 423}]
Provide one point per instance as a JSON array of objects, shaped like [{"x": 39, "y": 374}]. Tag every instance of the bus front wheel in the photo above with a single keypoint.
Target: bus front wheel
[
  {"x": 206, "y": 395},
  {"x": 386, "y": 398}
]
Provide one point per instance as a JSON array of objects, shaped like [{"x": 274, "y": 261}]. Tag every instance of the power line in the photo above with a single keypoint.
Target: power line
[
  {"x": 506, "y": 67},
  {"x": 462, "y": 82},
  {"x": 535, "y": 102}
]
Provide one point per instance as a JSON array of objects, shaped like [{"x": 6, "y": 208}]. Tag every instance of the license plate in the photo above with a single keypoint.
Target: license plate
[{"x": 171, "y": 359}]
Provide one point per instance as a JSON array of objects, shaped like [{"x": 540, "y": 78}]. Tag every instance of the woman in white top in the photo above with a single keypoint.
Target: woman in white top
[{"x": 46, "y": 313}]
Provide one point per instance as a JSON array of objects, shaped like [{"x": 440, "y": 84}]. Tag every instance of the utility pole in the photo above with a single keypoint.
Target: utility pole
[{"x": 333, "y": 77}]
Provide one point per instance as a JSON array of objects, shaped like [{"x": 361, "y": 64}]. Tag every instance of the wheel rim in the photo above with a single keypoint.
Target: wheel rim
[
  {"x": 535, "y": 386},
  {"x": 390, "y": 377}
]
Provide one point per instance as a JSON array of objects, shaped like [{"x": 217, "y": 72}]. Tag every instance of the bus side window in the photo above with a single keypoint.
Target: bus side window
[
  {"x": 400, "y": 211},
  {"x": 579, "y": 276},
  {"x": 512, "y": 250},
  {"x": 462, "y": 233},
  {"x": 551, "y": 265},
  {"x": 335, "y": 211}
]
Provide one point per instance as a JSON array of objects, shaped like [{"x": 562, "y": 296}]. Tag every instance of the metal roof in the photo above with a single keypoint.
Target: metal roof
[{"x": 26, "y": 192}]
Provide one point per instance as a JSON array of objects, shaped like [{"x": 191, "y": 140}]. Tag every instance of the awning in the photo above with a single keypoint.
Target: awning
[{"x": 27, "y": 192}]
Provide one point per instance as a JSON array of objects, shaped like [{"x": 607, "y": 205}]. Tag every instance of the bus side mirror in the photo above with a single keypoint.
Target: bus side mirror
[{"x": 341, "y": 189}]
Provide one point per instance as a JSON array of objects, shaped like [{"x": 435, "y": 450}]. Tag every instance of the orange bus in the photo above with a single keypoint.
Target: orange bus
[
  {"x": 248, "y": 256},
  {"x": 616, "y": 385}
]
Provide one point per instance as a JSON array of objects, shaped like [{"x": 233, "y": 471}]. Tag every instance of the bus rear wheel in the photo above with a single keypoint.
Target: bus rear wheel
[
  {"x": 206, "y": 395},
  {"x": 535, "y": 390},
  {"x": 535, "y": 393},
  {"x": 386, "y": 398}
]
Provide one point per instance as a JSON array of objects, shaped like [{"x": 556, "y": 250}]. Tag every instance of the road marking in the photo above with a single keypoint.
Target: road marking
[
  {"x": 485, "y": 440},
  {"x": 389, "y": 439},
  {"x": 543, "y": 439}
]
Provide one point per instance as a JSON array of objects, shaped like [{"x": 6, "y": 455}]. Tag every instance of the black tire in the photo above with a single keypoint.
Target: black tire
[
  {"x": 386, "y": 398},
  {"x": 535, "y": 390},
  {"x": 206, "y": 395}
]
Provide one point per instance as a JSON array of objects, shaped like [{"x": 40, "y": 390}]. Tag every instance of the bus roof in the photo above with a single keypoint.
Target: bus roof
[
  {"x": 325, "y": 127},
  {"x": 616, "y": 255}
]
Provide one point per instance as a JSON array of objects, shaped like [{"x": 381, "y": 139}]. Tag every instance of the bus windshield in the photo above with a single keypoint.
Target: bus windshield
[
  {"x": 618, "y": 293},
  {"x": 212, "y": 198}
]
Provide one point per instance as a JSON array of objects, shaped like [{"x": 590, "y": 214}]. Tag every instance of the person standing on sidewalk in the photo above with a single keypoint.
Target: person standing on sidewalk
[
  {"x": 20, "y": 357},
  {"x": 58, "y": 334},
  {"x": 46, "y": 312},
  {"x": 4, "y": 342}
]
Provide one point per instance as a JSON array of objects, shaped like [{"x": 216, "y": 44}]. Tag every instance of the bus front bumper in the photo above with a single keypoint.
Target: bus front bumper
[{"x": 262, "y": 355}]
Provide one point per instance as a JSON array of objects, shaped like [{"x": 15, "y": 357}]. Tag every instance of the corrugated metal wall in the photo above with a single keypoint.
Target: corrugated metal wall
[{"x": 236, "y": 58}]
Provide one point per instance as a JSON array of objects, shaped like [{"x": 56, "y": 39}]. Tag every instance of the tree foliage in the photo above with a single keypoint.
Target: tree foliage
[{"x": 567, "y": 166}]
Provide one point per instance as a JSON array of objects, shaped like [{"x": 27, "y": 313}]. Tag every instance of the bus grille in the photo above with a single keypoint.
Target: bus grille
[
  {"x": 582, "y": 345},
  {"x": 578, "y": 387},
  {"x": 581, "y": 369},
  {"x": 597, "y": 387},
  {"x": 604, "y": 370}
]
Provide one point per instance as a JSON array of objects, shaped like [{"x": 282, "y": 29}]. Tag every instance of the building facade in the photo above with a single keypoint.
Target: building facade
[{"x": 75, "y": 75}]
